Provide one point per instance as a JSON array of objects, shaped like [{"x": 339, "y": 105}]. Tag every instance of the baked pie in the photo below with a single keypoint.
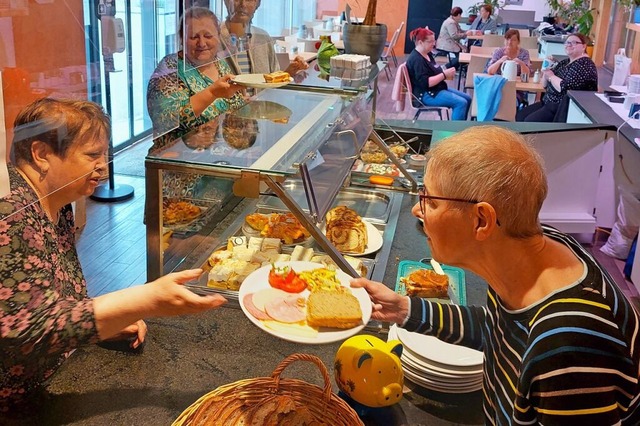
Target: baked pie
[{"x": 175, "y": 212}]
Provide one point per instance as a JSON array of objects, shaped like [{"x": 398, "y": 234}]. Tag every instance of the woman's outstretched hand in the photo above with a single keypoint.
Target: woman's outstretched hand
[{"x": 388, "y": 305}]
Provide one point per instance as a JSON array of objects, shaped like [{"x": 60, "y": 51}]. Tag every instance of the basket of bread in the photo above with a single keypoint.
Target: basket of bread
[{"x": 272, "y": 400}]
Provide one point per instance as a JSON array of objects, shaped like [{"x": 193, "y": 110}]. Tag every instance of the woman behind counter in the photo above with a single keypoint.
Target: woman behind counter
[
  {"x": 577, "y": 72},
  {"x": 251, "y": 48},
  {"x": 428, "y": 78},
  {"x": 191, "y": 87},
  {"x": 58, "y": 155}
]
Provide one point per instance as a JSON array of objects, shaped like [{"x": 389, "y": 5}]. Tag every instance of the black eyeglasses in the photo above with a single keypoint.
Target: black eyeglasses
[{"x": 422, "y": 194}]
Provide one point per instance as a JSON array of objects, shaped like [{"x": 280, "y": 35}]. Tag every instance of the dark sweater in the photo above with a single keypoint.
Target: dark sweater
[{"x": 420, "y": 69}]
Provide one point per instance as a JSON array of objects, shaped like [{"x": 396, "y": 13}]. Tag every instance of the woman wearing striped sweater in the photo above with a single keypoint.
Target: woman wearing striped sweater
[{"x": 560, "y": 340}]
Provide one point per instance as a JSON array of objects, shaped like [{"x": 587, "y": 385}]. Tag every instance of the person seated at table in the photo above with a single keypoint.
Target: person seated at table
[
  {"x": 577, "y": 72},
  {"x": 193, "y": 86},
  {"x": 58, "y": 156},
  {"x": 450, "y": 35},
  {"x": 483, "y": 23},
  {"x": 560, "y": 339},
  {"x": 251, "y": 48},
  {"x": 428, "y": 78},
  {"x": 511, "y": 52}
]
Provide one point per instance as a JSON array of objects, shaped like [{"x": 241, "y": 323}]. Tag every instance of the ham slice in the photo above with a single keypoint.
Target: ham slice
[
  {"x": 249, "y": 306},
  {"x": 285, "y": 309}
]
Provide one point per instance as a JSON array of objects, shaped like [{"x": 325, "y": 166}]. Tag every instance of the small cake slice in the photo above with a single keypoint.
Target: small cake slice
[{"x": 277, "y": 77}]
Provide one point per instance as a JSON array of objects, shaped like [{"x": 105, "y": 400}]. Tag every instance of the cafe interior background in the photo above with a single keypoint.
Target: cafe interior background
[{"x": 106, "y": 50}]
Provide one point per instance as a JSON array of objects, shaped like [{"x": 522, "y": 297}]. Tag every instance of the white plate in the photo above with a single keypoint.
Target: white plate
[
  {"x": 374, "y": 240},
  {"x": 259, "y": 279},
  {"x": 437, "y": 369},
  {"x": 257, "y": 81},
  {"x": 432, "y": 348}
]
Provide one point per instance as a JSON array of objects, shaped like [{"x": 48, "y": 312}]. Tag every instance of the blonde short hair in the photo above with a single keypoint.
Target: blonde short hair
[{"x": 494, "y": 165}]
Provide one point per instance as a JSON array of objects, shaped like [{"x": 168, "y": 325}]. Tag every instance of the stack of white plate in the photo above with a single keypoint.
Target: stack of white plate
[{"x": 436, "y": 365}]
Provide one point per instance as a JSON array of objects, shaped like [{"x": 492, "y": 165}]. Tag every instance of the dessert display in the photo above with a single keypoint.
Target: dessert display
[
  {"x": 284, "y": 226},
  {"x": 346, "y": 230},
  {"x": 178, "y": 212},
  {"x": 426, "y": 283},
  {"x": 277, "y": 77}
]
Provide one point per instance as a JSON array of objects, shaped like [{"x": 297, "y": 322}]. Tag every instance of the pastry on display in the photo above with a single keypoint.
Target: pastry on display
[
  {"x": 284, "y": 226},
  {"x": 426, "y": 283},
  {"x": 175, "y": 212},
  {"x": 346, "y": 230}
]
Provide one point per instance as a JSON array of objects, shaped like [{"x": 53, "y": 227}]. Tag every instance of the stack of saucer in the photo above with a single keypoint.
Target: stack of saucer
[{"x": 436, "y": 365}]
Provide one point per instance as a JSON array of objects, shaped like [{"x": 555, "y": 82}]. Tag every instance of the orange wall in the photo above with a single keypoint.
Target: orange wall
[
  {"x": 50, "y": 37},
  {"x": 390, "y": 13}
]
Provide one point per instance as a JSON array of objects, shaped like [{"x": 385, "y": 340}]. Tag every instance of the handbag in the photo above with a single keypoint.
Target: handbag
[{"x": 622, "y": 68}]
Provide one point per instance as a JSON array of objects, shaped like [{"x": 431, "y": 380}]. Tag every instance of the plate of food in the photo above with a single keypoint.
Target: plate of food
[
  {"x": 420, "y": 280},
  {"x": 284, "y": 226},
  {"x": 304, "y": 302},
  {"x": 263, "y": 81},
  {"x": 178, "y": 212},
  {"x": 351, "y": 235}
]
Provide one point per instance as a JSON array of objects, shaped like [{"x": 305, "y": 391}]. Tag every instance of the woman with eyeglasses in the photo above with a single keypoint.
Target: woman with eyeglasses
[
  {"x": 560, "y": 339},
  {"x": 428, "y": 79},
  {"x": 577, "y": 72}
]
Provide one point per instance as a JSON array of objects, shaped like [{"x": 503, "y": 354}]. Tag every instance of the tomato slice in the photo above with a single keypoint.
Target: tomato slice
[{"x": 286, "y": 279}]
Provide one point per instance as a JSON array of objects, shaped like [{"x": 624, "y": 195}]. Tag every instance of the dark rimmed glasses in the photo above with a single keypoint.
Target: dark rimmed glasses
[{"x": 422, "y": 194}]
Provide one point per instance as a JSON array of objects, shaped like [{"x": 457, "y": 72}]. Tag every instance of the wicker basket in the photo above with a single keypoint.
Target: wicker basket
[{"x": 240, "y": 396}]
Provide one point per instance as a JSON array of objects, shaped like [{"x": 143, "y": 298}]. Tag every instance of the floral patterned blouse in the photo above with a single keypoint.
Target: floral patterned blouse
[
  {"x": 171, "y": 86},
  {"x": 44, "y": 309}
]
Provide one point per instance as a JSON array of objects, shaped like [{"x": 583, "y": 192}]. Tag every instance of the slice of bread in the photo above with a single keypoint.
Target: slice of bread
[{"x": 333, "y": 309}]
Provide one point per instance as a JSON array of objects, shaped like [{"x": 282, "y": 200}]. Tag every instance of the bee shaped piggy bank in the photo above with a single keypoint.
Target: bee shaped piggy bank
[{"x": 368, "y": 370}]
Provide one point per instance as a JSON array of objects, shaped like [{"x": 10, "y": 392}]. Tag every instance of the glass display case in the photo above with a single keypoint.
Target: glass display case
[{"x": 298, "y": 146}]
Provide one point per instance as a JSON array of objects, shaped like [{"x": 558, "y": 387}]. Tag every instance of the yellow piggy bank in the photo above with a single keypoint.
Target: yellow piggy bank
[{"x": 368, "y": 370}]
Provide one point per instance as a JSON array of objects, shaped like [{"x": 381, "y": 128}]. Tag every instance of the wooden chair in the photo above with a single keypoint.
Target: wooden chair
[
  {"x": 508, "y": 103},
  {"x": 482, "y": 50},
  {"x": 492, "y": 40},
  {"x": 410, "y": 103},
  {"x": 533, "y": 53},
  {"x": 529, "y": 42},
  {"x": 524, "y": 32},
  {"x": 389, "y": 53},
  {"x": 477, "y": 65}
]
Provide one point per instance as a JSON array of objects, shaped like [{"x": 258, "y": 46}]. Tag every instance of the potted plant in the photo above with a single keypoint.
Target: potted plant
[
  {"x": 577, "y": 13},
  {"x": 473, "y": 12},
  {"x": 367, "y": 38}
]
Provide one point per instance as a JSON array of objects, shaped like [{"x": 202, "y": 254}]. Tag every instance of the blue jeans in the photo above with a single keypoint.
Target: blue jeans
[{"x": 458, "y": 101}]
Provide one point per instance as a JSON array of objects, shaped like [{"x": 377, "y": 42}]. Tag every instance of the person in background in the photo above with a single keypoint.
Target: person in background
[
  {"x": 57, "y": 156},
  {"x": 450, "y": 36},
  {"x": 428, "y": 78},
  {"x": 511, "y": 52},
  {"x": 560, "y": 339},
  {"x": 484, "y": 22},
  {"x": 251, "y": 48},
  {"x": 577, "y": 72},
  {"x": 193, "y": 86}
]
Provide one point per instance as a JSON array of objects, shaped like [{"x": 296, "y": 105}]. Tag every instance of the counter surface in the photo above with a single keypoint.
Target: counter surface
[{"x": 186, "y": 357}]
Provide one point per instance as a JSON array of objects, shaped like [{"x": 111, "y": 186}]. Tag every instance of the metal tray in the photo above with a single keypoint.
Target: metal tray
[{"x": 375, "y": 206}]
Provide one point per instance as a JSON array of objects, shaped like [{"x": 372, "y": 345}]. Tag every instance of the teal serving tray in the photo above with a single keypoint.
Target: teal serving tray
[{"x": 457, "y": 284}]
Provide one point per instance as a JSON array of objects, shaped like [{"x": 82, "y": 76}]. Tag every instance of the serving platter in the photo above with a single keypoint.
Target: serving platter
[
  {"x": 259, "y": 280},
  {"x": 257, "y": 81}
]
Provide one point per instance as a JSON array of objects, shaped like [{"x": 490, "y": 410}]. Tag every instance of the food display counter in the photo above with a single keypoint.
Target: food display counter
[{"x": 285, "y": 153}]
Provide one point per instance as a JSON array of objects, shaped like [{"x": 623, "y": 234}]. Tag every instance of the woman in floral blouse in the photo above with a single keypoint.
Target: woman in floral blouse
[{"x": 58, "y": 155}]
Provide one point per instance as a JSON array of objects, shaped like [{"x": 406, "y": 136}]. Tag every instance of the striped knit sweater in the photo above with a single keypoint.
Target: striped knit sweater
[{"x": 571, "y": 358}]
